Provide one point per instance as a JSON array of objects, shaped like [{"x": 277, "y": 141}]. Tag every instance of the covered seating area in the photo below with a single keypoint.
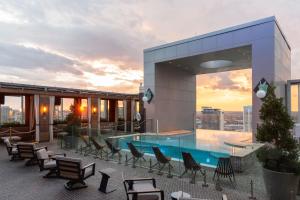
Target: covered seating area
[{"x": 40, "y": 104}]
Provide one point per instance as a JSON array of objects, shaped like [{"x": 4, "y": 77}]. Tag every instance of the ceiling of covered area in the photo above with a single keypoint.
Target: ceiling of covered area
[{"x": 240, "y": 58}]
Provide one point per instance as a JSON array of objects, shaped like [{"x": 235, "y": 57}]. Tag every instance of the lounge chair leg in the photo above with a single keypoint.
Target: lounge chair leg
[
  {"x": 183, "y": 173},
  {"x": 126, "y": 160}
]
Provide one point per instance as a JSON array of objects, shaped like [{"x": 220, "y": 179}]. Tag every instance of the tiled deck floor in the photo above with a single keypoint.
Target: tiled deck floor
[{"x": 26, "y": 183}]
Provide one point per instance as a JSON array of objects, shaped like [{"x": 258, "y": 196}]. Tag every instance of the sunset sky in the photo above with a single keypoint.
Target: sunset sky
[{"x": 99, "y": 44}]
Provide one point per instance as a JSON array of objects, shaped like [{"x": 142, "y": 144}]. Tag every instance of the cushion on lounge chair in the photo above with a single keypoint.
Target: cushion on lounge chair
[
  {"x": 42, "y": 154},
  {"x": 50, "y": 164},
  {"x": 7, "y": 142},
  {"x": 14, "y": 150},
  {"x": 69, "y": 159},
  {"x": 143, "y": 187}
]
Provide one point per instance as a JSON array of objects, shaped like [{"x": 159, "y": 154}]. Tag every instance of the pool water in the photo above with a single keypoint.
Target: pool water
[{"x": 206, "y": 146}]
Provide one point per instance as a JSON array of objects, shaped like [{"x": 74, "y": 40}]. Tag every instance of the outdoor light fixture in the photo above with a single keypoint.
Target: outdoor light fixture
[
  {"x": 94, "y": 110},
  {"x": 261, "y": 88},
  {"x": 212, "y": 64},
  {"x": 44, "y": 110},
  {"x": 148, "y": 95}
]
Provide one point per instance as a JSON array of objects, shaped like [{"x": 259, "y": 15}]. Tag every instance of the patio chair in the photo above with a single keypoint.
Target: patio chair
[
  {"x": 87, "y": 148},
  {"x": 191, "y": 165},
  {"x": 99, "y": 148},
  {"x": 161, "y": 160},
  {"x": 136, "y": 154},
  {"x": 142, "y": 189},
  {"x": 28, "y": 151},
  {"x": 224, "y": 169},
  {"x": 113, "y": 149},
  {"x": 11, "y": 150},
  {"x": 73, "y": 170},
  {"x": 46, "y": 161}
]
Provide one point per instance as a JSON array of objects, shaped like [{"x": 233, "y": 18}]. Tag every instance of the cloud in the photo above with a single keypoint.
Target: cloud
[{"x": 18, "y": 56}]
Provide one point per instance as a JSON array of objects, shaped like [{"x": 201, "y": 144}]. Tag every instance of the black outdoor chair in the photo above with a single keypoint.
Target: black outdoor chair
[
  {"x": 224, "y": 169},
  {"x": 142, "y": 189},
  {"x": 99, "y": 148},
  {"x": 161, "y": 160},
  {"x": 72, "y": 170},
  {"x": 47, "y": 161},
  {"x": 11, "y": 150},
  {"x": 136, "y": 154},
  {"x": 28, "y": 151},
  {"x": 113, "y": 149},
  {"x": 191, "y": 165}
]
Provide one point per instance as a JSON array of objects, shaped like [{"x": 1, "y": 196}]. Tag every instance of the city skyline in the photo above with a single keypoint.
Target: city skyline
[{"x": 98, "y": 44}]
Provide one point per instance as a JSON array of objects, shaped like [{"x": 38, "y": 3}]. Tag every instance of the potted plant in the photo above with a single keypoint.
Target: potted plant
[
  {"x": 73, "y": 124},
  {"x": 280, "y": 154}
]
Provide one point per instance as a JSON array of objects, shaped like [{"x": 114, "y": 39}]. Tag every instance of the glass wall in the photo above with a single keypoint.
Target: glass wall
[
  {"x": 120, "y": 110},
  {"x": 62, "y": 110},
  {"x": 13, "y": 110},
  {"x": 104, "y": 110},
  {"x": 84, "y": 110}
]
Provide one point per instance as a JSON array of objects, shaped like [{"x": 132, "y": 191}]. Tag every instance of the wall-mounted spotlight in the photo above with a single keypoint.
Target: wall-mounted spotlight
[
  {"x": 261, "y": 88},
  {"x": 148, "y": 95}
]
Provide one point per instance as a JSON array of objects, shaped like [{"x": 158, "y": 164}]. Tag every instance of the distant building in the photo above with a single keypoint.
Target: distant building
[
  {"x": 247, "y": 119},
  {"x": 212, "y": 118}
]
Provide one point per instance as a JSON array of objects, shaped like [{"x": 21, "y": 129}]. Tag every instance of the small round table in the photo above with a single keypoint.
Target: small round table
[{"x": 177, "y": 195}]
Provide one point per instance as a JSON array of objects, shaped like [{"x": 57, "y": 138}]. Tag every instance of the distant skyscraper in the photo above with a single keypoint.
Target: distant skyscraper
[
  {"x": 212, "y": 118},
  {"x": 247, "y": 119}
]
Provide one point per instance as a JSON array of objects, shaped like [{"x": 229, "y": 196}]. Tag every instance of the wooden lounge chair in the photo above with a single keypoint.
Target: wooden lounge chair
[
  {"x": 113, "y": 150},
  {"x": 99, "y": 149},
  {"x": 142, "y": 189},
  {"x": 224, "y": 169},
  {"x": 87, "y": 148},
  {"x": 191, "y": 165},
  {"x": 136, "y": 154},
  {"x": 11, "y": 150},
  {"x": 72, "y": 170},
  {"x": 28, "y": 151},
  {"x": 46, "y": 161},
  {"x": 161, "y": 160}
]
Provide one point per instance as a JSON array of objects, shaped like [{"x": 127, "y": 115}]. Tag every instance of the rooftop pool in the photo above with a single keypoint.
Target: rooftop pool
[{"x": 206, "y": 146}]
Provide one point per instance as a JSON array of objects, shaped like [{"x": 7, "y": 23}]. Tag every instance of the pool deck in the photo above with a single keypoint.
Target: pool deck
[{"x": 20, "y": 182}]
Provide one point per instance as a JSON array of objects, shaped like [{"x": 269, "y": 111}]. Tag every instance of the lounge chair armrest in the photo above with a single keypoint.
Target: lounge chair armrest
[
  {"x": 39, "y": 148},
  {"x": 139, "y": 179},
  {"x": 132, "y": 181},
  {"x": 93, "y": 165},
  {"x": 146, "y": 192},
  {"x": 89, "y": 165}
]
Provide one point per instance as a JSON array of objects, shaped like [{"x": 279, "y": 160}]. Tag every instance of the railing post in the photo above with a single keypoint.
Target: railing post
[
  {"x": 251, "y": 191},
  {"x": 169, "y": 171},
  {"x": 10, "y": 132},
  {"x": 126, "y": 159},
  {"x": 218, "y": 185},
  {"x": 150, "y": 168},
  {"x": 204, "y": 180}
]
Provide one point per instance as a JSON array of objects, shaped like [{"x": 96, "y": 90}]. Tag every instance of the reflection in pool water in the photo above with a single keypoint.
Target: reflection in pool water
[{"x": 205, "y": 146}]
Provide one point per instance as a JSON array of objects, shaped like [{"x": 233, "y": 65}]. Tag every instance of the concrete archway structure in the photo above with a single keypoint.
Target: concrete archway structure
[{"x": 170, "y": 69}]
